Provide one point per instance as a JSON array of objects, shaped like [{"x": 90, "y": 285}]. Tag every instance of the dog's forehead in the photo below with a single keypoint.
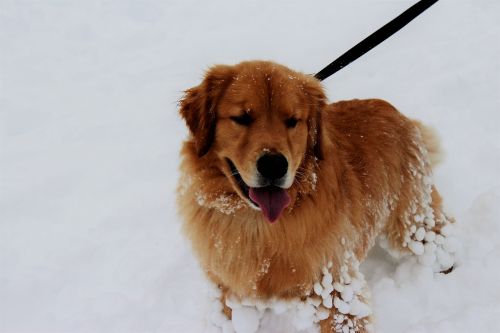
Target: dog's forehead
[{"x": 266, "y": 88}]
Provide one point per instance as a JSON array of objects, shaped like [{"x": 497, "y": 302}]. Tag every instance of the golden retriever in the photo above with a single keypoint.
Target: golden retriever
[{"x": 283, "y": 194}]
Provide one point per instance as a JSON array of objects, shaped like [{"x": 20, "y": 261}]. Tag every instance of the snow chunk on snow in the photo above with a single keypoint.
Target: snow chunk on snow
[
  {"x": 420, "y": 234},
  {"x": 430, "y": 236},
  {"x": 347, "y": 294},
  {"x": 430, "y": 247},
  {"x": 318, "y": 289},
  {"x": 338, "y": 286},
  {"x": 327, "y": 279},
  {"x": 359, "y": 309},
  {"x": 342, "y": 306},
  {"x": 439, "y": 239},
  {"x": 304, "y": 316},
  {"x": 322, "y": 314},
  {"x": 327, "y": 291},
  {"x": 428, "y": 259},
  {"x": 444, "y": 258},
  {"x": 279, "y": 307},
  {"x": 327, "y": 302},
  {"x": 447, "y": 230},
  {"x": 245, "y": 319},
  {"x": 416, "y": 247}
]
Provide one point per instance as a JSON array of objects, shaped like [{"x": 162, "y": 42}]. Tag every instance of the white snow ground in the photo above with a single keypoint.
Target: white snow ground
[{"x": 89, "y": 140}]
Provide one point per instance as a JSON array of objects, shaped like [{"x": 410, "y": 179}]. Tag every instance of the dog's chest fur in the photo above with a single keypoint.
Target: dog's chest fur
[{"x": 238, "y": 249}]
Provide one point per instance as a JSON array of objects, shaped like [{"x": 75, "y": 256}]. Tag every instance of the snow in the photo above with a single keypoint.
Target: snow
[
  {"x": 245, "y": 319},
  {"x": 416, "y": 247},
  {"x": 89, "y": 142}
]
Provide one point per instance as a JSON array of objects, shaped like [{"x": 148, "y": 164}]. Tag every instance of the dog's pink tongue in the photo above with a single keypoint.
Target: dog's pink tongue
[{"x": 271, "y": 199}]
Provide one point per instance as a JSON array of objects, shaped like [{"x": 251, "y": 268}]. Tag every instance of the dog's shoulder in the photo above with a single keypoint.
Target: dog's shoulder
[
  {"x": 362, "y": 109},
  {"x": 367, "y": 118}
]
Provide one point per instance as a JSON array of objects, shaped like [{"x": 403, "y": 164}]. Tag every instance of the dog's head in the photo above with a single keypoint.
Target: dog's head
[{"x": 262, "y": 122}]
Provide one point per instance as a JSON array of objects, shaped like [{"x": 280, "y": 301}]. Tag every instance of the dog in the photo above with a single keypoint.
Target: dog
[{"x": 283, "y": 194}]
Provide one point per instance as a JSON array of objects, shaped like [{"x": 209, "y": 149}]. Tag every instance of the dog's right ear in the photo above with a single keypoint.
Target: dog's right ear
[{"x": 198, "y": 106}]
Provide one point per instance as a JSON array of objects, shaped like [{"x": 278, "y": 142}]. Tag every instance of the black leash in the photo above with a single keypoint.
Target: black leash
[{"x": 375, "y": 38}]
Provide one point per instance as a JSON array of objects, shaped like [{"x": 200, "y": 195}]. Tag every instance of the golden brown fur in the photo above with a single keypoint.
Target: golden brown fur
[{"x": 360, "y": 170}]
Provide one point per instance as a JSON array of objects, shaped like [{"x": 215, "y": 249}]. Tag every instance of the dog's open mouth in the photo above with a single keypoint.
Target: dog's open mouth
[{"x": 272, "y": 200}]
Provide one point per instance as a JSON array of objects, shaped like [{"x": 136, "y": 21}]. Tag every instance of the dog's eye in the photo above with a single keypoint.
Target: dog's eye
[
  {"x": 245, "y": 119},
  {"x": 291, "y": 122}
]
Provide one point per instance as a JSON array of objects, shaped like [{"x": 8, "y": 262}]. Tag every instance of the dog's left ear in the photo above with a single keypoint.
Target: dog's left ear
[
  {"x": 317, "y": 102},
  {"x": 198, "y": 106}
]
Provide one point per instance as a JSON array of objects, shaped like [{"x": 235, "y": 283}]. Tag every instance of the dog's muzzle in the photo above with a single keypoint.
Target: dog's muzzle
[{"x": 271, "y": 198}]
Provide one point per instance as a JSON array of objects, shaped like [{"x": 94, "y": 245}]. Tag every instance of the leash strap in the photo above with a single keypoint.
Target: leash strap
[{"x": 375, "y": 38}]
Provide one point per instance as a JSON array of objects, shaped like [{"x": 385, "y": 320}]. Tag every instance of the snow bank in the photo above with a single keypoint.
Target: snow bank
[{"x": 89, "y": 140}]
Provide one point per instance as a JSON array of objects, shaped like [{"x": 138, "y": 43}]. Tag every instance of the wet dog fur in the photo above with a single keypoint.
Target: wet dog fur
[{"x": 356, "y": 170}]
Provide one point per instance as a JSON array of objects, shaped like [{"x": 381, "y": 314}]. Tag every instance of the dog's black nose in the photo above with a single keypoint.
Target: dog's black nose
[{"x": 272, "y": 166}]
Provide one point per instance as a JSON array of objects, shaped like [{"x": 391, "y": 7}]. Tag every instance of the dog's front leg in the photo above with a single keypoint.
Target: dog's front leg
[
  {"x": 338, "y": 322},
  {"x": 219, "y": 315},
  {"x": 223, "y": 297},
  {"x": 344, "y": 298}
]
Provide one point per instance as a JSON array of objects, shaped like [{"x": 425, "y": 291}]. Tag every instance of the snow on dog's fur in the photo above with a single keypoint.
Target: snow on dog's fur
[{"x": 354, "y": 170}]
